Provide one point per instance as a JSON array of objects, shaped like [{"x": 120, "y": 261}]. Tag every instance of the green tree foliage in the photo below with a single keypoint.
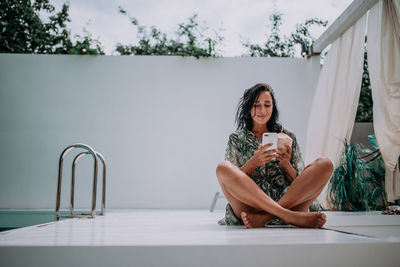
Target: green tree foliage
[
  {"x": 22, "y": 30},
  {"x": 190, "y": 40},
  {"x": 364, "y": 109},
  {"x": 277, "y": 45}
]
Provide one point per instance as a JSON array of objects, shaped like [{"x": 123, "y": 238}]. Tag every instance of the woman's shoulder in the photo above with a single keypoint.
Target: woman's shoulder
[
  {"x": 238, "y": 133},
  {"x": 238, "y": 136}
]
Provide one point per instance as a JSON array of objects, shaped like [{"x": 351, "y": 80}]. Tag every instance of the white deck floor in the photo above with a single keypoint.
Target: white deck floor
[{"x": 193, "y": 238}]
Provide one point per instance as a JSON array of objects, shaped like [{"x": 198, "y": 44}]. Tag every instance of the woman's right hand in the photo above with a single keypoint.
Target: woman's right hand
[{"x": 263, "y": 156}]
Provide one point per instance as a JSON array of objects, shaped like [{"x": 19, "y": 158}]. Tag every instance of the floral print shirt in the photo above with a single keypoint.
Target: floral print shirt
[{"x": 241, "y": 146}]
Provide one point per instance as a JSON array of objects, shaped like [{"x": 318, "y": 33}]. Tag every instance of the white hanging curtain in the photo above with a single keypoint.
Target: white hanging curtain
[
  {"x": 336, "y": 98},
  {"x": 384, "y": 69}
]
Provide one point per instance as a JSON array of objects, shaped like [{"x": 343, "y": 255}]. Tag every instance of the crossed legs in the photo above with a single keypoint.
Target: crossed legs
[{"x": 256, "y": 208}]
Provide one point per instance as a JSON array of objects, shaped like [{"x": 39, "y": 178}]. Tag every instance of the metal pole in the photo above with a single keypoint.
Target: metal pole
[
  {"x": 71, "y": 206},
  {"x": 103, "y": 199}
]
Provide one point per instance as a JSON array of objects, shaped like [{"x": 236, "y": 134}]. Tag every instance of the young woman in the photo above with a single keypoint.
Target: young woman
[{"x": 261, "y": 185}]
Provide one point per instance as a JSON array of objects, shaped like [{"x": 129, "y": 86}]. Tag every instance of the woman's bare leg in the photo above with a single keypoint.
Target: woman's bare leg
[
  {"x": 245, "y": 195},
  {"x": 261, "y": 218},
  {"x": 301, "y": 194}
]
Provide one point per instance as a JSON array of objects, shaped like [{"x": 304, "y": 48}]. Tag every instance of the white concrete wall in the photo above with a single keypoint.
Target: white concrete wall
[{"x": 161, "y": 122}]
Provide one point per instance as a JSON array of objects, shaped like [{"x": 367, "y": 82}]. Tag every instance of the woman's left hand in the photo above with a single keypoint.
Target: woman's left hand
[{"x": 284, "y": 155}]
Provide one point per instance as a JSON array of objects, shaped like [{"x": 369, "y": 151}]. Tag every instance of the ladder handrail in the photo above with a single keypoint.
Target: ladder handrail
[
  {"x": 60, "y": 167},
  {"x": 103, "y": 201},
  {"x": 71, "y": 205}
]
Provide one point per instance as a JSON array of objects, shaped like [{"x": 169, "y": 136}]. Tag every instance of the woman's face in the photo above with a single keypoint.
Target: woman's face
[{"x": 262, "y": 108}]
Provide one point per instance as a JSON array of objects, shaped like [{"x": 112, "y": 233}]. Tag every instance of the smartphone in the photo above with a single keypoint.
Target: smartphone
[{"x": 270, "y": 138}]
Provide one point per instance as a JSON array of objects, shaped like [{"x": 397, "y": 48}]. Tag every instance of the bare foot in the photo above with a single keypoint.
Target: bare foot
[
  {"x": 306, "y": 219},
  {"x": 255, "y": 220}
]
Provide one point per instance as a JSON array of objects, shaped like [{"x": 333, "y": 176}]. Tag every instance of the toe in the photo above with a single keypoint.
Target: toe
[{"x": 243, "y": 215}]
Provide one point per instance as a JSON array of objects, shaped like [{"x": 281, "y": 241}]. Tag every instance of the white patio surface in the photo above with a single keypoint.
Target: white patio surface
[{"x": 193, "y": 238}]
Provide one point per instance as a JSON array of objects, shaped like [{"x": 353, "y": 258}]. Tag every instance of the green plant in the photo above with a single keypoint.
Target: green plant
[
  {"x": 277, "y": 45},
  {"x": 191, "y": 40},
  {"x": 364, "y": 109},
  {"x": 358, "y": 183}
]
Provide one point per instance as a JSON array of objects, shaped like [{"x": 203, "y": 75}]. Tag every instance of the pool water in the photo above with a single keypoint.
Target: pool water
[{"x": 13, "y": 219}]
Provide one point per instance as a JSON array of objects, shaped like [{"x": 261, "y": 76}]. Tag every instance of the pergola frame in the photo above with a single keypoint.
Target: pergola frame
[{"x": 350, "y": 16}]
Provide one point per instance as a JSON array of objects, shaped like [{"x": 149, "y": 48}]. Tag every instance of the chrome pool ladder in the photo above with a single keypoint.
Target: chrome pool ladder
[{"x": 95, "y": 155}]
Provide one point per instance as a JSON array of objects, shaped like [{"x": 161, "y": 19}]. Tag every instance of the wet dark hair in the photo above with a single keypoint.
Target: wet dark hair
[{"x": 243, "y": 116}]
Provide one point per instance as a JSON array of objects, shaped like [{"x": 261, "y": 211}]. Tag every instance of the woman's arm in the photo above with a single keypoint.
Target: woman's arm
[
  {"x": 289, "y": 171},
  {"x": 284, "y": 159},
  {"x": 261, "y": 157},
  {"x": 248, "y": 168}
]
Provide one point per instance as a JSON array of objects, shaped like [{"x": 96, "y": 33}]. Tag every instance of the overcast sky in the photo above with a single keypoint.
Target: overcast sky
[{"x": 241, "y": 19}]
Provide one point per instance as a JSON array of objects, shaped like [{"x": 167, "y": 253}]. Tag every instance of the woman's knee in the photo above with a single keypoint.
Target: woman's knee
[
  {"x": 325, "y": 164},
  {"x": 223, "y": 167},
  {"x": 224, "y": 170}
]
